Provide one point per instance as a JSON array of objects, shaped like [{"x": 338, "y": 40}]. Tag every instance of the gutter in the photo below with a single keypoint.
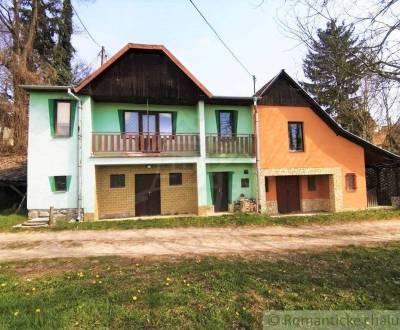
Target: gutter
[{"x": 79, "y": 169}]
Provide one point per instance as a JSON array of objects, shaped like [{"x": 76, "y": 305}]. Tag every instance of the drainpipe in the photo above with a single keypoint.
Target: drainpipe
[
  {"x": 258, "y": 201},
  {"x": 80, "y": 217}
]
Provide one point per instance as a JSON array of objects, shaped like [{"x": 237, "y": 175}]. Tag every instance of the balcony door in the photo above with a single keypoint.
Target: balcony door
[{"x": 148, "y": 129}]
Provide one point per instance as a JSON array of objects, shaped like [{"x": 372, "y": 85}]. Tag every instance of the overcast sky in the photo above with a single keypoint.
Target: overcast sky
[{"x": 252, "y": 32}]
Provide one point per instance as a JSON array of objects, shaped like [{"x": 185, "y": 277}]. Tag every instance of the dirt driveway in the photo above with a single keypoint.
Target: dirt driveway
[{"x": 194, "y": 241}]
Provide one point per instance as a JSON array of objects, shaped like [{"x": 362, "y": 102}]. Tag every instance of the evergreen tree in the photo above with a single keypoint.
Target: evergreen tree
[
  {"x": 334, "y": 66},
  {"x": 64, "y": 51}
]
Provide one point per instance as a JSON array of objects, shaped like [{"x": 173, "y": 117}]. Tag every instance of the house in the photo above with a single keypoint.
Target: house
[
  {"x": 308, "y": 162},
  {"x": 141, "y": 136},
  {"x": 154, "y": 141}
]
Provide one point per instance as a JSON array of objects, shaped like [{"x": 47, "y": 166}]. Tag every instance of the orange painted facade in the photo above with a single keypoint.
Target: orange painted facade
[{"x": 322, "y": 149}]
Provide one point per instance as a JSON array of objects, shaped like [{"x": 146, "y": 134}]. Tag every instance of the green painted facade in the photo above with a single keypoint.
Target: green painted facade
[
  {"x": 244, "y": 121},
  {"x": 105, "y": 117},
  {"x": 235, "y": 174}
]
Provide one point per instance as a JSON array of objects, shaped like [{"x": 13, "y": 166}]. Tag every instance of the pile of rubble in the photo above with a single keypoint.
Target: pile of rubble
[{"x": 245, "y": 205}]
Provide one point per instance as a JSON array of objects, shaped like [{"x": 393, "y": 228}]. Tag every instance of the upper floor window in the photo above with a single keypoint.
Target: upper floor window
[
  {"x": 296, "y": 142},
  {"x": 63, "y": 118},
  {"x": 165, "y": 120},
  {"x": 351, "y": 182},
  {"x": 131, "y": 122},
  {"x": 226, "y": 123}
]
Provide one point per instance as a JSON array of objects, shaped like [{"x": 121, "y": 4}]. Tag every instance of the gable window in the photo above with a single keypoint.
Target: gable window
[
  {"x": 175, "y": 179},
  {"x": 351, "y": 182},
  {"x": 226, "y": 123},
  {"x": 296, "y": 142},
  {"x": 312, "y": 183},
  {"x": 117, "y": 181},
  {"x": 60, "y": 183},
  {"x": 63, "y": 118}
]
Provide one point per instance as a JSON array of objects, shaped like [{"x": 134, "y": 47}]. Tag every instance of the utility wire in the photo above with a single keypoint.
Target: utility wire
[
  {"x": 87, "y": 31},
  {"x": 223, "y": 42}
]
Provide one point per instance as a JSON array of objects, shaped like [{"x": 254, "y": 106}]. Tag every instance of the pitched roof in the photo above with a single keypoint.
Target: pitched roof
[
  {"x": 339, "y": 130},
  {"x": 129, "y": 46}
]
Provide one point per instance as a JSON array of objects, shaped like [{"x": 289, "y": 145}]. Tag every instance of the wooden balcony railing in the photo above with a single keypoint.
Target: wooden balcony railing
[
  {"x": 235, "y": 145},
  {"x": 143, "y": 143}
]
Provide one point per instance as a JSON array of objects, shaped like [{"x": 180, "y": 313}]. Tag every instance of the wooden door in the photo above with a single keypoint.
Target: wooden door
[
  {"x": 287, "y": 189},
  {"x": 220, "y": 181},
  {"x": 147, "y": 194}
]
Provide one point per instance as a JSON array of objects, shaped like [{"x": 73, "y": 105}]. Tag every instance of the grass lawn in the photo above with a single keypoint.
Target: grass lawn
[
  {"x": 7, "y": 221},
  {"x": 213, "y": 293}
]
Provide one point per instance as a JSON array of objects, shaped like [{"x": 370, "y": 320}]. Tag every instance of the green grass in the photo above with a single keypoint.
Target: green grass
[
  {"x": 8, "y": 220},
  {"x": 212, "y": 293},
  {"x": 237, "y": 219}
]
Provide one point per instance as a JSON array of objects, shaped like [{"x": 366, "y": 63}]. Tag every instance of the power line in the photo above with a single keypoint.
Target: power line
[
  {"x": 224, "y": 43},
  {"x": 87, "y": 31}
]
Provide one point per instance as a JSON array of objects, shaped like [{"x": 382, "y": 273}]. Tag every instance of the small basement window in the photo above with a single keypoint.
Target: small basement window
[
  {"x": 312, "y": 183},
  {"x": 117, "y": 181},
  {"x": 175, "y": 179},
  {"x": 245, "y": 183},
  {"x": 351, "y": 182},
  {"x": 60, "y": 183}
]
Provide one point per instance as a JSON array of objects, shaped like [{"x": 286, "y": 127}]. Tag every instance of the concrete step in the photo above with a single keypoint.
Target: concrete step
[
  {"x": 36, "y": 220},
  {"x": 34, "y": 223}
]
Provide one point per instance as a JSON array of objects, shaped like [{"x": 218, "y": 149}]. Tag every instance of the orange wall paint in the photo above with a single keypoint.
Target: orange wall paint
[
  {"x": 321, "y": 191},
  {"x": 322, "y": 148}
]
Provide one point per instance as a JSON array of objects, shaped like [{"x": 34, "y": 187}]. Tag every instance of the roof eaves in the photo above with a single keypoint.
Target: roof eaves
[{"x": 44, "y": 88}]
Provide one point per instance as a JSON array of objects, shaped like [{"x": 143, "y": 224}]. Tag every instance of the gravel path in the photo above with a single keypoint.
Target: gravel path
[{"x": 194, "y": 241}]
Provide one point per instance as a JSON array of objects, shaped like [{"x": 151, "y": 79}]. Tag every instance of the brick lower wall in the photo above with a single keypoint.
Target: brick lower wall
[{"x": 120, "y": 202}]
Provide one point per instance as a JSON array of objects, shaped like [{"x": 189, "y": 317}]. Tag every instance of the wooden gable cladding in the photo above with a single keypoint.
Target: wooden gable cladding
[
  {"x": 282, "y": 93},
  {"x": 141, "y": 75}
]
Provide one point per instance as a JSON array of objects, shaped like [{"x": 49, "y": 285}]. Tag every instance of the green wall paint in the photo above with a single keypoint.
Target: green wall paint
[
  {"x": 244, "y": 118},
  {"x": 236, "y": 174},
  {"x": 105, "y": 116}
]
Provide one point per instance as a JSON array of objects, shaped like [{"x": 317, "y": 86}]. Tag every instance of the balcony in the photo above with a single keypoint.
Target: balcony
[
  {"x": 237, "y": 145},
  {"x": 144, "y": 144}
]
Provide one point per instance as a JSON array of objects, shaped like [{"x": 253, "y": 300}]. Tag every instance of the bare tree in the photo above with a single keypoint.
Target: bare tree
[{"x": 376, "y": 22}]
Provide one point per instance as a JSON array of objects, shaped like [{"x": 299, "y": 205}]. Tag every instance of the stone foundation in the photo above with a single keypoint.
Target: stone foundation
[
  {"x": 59, "y": 214},
  {"x": 312, "y": 205},
  {"x": 271, "y": 207},
  {"x": 205, "y": 210},
  {"x": 396, "y": 202}
]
